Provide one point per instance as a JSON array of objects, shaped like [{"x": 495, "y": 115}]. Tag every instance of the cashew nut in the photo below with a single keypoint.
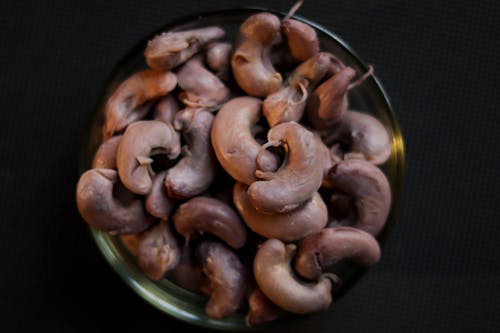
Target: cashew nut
[
  {"x": 218, "y": 58},
  {"x": 302, "y": 39},
  {"x": 369, "y": 189},
  {"x": 142, "y": 140},
  {"x": 158, "y": 252},
  {"x": 195, "y": 172},
  {"x": 289, "y": 102},
  {"x": 188, "y": 273},
  {"x": 227, "y": 279},
  {"x": 328, "y": 102},
  {"x": 291, "y": 226},
  {"x": 333, "y": 245},
  {"x": 157, "y": 202},
  {"x": 297, "y": 179},
  {"x": 200, "y": 87},
  {"x": 251, "y": 63},
  {"x": 169, "y": 49},
  {"x": 207, "y": 215},
  {"x": 233, "y": 142},
  {"x": 131, "y": 242},
  {"x": 277, "y": 281},
  {"x": 100, "y": 209},
  {"x": 261, "y": 309},
  {"x": 105, "y": 156},
  {"x": 360, "y": 135},
  {"x": 166, "y": 109},
  {"x": 133, "y": 98}
]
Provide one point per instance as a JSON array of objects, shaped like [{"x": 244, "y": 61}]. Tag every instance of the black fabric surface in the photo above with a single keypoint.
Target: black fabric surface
[{"x": 438, "y": 61}]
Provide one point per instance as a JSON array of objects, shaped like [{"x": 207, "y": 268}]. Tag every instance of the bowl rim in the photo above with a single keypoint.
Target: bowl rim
[{"x": 109, "y": 252}]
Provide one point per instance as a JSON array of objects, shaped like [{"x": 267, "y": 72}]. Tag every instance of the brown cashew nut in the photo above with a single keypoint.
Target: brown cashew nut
[
  {"x": 233, "y": 142},
  {"x": 142, "y": 140},
  {"x": 195, "y": 172},
  {"x": 170, "y": 49},
  {"x": 201, "y": 88},
  {"x": 226, "y": 277},
  {"x": 105, "y": 156},
  {"x": 291, "y": 226},
  {"x": 302, "y": 39},
  {"x": 158, "y": 252},
  {"x": 333, "y": 245},
  {"x": 298, "y": 178},
  {"x": 326, "y": 158},
  {"x": 133, "y": 98},
  {"x": 131, "y": 242},
  {"x": 166, "y": 109},
  {"x": 261, "y": 309},
  {"x": 188, "y": 273},
  {"x": 328, "y": 102},
  {"x": 360, "y": 135},
  {"x": 289, "y": 102},
  {"x": 369, "y": 189},
  {"x": 218, "y": 56},
  {"x": 207, "y": 215},
  {"x": 101, "y": 210},
  {"x": 157, "y": 201},
  {"x": 275, "y": 277},
  {"x": 251, "y": 63}
]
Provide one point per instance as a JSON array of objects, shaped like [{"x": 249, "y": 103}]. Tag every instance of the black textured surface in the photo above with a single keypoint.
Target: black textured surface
[{"x": 437, "y": 60}]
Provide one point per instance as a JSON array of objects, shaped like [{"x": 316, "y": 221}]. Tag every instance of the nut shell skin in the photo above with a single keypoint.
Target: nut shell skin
[{"x": 332, "y": 245}]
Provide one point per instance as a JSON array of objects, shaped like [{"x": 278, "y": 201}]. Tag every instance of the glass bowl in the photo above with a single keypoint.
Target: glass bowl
[{"x": 166, "y": 295}]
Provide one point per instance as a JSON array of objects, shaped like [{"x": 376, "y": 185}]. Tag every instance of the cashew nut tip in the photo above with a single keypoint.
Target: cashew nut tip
[
  {"x": 275, "y": 277},
  {"x": 207, "y": 215},
  {"x": 170, "y": 49},
  {"x": 330, "y": 246},
  {"x": 142, "y": 140},
  {"x": 157, "y": 201},
  {"x": 302, "y": 39},
  {"x": 101, "y": 210},
  {"x": 105, "y": 156}
]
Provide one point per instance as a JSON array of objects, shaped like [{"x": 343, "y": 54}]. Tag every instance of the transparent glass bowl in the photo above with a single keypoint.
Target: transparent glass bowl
[{"x": 166, "y": 295}]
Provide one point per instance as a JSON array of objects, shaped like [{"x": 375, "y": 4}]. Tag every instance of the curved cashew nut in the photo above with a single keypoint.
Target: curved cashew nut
[
  {"x": 261, "y": 309},
  {"x": 251, "y": 63},
  {"x": 297, "y": 179},
  {"x": 302, "y": 39},
  {"x": 200, "y": 86},
  {"x": 328, "y": 102},
  {"x": 277, "y": 281},
  {"x": 158, "y": 252},
  {"x": 105, "y": 156},
  {"x": 141, "y": 140},
  {"x": 369, "y": 189},
  {"x": 195, "y": 172},
  {"x": 291, "y": 226},
  {"x": 233, "y": 141},
  {"x": 333, "y": 245},
  {"x": 98, "y": 207},
  {"x": 207, "y": 215},
  {"x": 227, "y": 279},
  {"x": 218, "y": 57},
  {"x": 169, "y": 49},
  {"x": 289, "y": 102},
  {"x": 363, "y": 135},
  {"x": 157, "y": 202},
  {"x": 133, "y": 98},
  {"x": 166, "y": 109}
]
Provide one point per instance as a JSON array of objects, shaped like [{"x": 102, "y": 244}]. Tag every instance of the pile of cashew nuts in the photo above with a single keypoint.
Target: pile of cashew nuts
[{"x": 238, "y": 171}]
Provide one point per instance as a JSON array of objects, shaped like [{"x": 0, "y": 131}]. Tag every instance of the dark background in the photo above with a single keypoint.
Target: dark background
[{"x": 438, "y": 61}]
